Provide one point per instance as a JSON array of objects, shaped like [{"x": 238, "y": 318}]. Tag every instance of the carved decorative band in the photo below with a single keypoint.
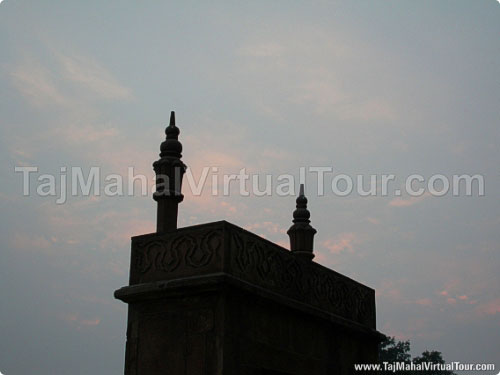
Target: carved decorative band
[
  {"x": 270, "y": 267},
  {"x": 195, "y": 250},
  {"x": 253, "y": 260}
]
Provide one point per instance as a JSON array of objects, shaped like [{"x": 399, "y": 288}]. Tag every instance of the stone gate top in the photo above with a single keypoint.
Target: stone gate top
[
  {"x": 221, "y": 249},
  {"x": 217, "y": 299}
]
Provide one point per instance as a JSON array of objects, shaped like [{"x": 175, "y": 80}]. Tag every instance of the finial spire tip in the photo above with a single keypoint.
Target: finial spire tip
[{"x": 172, "y": 118}]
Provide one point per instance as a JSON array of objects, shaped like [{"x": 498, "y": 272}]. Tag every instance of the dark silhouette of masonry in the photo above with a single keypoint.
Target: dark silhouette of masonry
[{"x": 215, "y": 299}]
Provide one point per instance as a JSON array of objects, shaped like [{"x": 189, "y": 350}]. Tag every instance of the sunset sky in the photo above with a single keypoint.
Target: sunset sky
[{"x": 365, "y": 87}]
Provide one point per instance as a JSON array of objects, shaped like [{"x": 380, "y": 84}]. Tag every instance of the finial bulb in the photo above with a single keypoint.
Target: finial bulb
[{"x": 301, "y": 233}]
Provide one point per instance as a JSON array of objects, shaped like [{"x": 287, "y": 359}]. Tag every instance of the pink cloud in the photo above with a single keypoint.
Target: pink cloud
[
  {"x": 401, "y": 202},
  {"x": 268, "y": 226},
  {"x": 74, "y": 319},
  {"x": 343, "y": 242},
  {"x": 399, "y": 334},
  {"x": 424, "y": 302},
  {"x": 262, "y": 50},
  {"x": 86, "y": 133},
  {"x": 70, "y": 317},
  {"x": 391, "y": 290},
  {"x": 319, "y": 256},
  {"x": 92, "y": 322},
  {"x": 489, "y": 308},
  {"x": 36, "y": 84},
  {"x": 120, "y": 231},
  {"x": 32, "y": 243},
  {"x": 231, "y": 208},
  {"x": 372, "y": 220},
  {"x": 327, "y": 96},
  {"x": 86, "y": 72}
]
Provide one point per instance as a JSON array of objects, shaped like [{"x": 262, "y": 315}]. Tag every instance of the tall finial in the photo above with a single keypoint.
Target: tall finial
[
  {"x": 169, "y": 171},
  {"x": 301, "y": 233}
]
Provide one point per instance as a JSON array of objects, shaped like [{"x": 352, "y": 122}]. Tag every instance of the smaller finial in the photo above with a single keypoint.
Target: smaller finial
[
  {"x": 172, "y": 131},
  {"x": 301, "y": 214},
  {"x": 171, "y": 146},
  {"x": 301, "y": 233}
]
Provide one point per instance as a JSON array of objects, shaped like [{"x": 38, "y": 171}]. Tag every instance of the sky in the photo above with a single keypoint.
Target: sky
[{"x": 363, "y": 87}]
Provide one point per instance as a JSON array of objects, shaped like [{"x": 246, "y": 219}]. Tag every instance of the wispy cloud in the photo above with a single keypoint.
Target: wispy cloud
[
  {"x": 424, "y": 302},
  {"x": 87, "y": 133},
  {"x": 44, "y": 87},
  {"x": 266, "y": 227},
  {"x": 74, "y": 319},
  {"x": 489, "y": 308},
  {"x": 328, "y": 97},
  {"x": 266, "y": 49},
  {"x": 31, "y": 242},
  {"x": 67, "y": 92},
  {"x": 319, "y": 85},
  {"x": 407, "y": 202},
  {"x": 86, "y": 72},
  {"x": 344, "y": 242},
  {"x": 392, "y": 290},
  {"x": 37, "y": 85}
]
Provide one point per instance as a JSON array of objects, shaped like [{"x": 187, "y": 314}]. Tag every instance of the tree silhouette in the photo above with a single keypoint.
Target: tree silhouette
[
  {"x": 432, "y": 357},
  {"x": 392, "y": 351}
]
